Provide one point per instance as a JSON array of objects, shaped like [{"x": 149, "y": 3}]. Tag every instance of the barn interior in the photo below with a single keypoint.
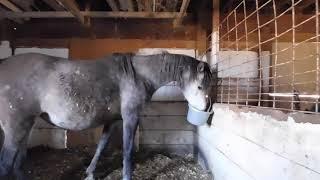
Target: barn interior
[{"x": 266, "y": 53}]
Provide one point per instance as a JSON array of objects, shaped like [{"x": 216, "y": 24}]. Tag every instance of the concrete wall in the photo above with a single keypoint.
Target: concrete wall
[
  {"x": 5, "y": 49},
  {"x": 42, "y": 132},
  {"x": 260, "y": 144}
]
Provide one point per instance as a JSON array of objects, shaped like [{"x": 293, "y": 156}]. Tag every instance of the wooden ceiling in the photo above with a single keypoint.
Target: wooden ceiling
[
  {"x": 140, "y": 19},
  {"x": 83, "y": 10}
]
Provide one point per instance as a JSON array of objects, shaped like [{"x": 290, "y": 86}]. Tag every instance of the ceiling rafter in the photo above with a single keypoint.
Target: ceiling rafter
[
  {"x": 130, "y": 5},
  {"x": 54, "y": 5},
  {"x": 183, "y": 9},
  {"x": 13, "y": 8},
  {"x": 113, "y": 5},
  {"x": 72, "y": 6},
  {"x": 140, "y": 5},
  {"x": 10, "y": 6},
  {"x": 148, "y": 5},
  {"x": 19, "y": 21}
]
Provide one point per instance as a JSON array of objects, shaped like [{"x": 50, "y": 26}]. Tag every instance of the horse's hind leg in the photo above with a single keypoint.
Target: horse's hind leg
[
  {"x": 107, "y": 130},
  {"x": 16, "y": 131}
]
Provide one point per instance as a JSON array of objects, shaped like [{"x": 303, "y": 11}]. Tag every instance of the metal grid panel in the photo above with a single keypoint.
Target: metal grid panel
[{"x": 268, "y": 55}]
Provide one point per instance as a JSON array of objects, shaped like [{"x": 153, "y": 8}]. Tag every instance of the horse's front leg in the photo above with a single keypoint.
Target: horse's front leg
[
  {"x": 107, "y": 130},
  {"x": 130, "y": 123}
]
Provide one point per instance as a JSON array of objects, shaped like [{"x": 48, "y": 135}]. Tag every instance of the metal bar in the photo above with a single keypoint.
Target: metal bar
[
  {"x": 318, "y": 54},
  {"x": 293, "y": 51}
]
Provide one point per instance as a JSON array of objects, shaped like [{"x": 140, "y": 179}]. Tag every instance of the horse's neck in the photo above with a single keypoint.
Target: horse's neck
[{"x": 156, "y": 69}]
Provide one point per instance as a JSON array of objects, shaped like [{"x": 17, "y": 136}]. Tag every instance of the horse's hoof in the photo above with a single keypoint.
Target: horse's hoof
[{"x": 89, "y": 177}]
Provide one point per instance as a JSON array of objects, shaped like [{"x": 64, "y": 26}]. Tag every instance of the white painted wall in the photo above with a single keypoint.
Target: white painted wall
[
  {"x": 261, "y": 144},
  {"x": 240, "y": 64},
  {"x": 59, "y": 52},
  {"x": 42, "y": 132},
  {"x": 5, "y": 50}
]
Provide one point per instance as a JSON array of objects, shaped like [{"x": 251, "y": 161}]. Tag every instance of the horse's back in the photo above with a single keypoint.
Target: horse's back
[
  {"x": 20, "y": 81},
  {"x": 22, "y": 65}
]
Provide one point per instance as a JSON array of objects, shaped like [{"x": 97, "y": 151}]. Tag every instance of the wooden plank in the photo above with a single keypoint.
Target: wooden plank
[
  {"x": 165, "y": 123},
  {"x": 72, "y": 6},
  {"x": 94, "y": 14},
  {"x": 24, "y": 4},
  {"x": 113, "y": 5},
  {"x": 86, "y": 48},
  {"x": 19, "y": 21},
  {"x": 10, "y": 6},
  {"x": 54, "y": 5},
  {"x": 140, "y": 4},
  {"x": 126, "y": 5},
  {"x": 43, "y": 43},
  {"x": 166, "y": 137},
  {"x": 179, "y": 149},
  {"x": 123, "y": 5},
  {"x": 130, "y": 5},
  {"x": 165, "y": 109},
  {"x": 183, "y": 9},
  {"x": 147, "y": 5}
]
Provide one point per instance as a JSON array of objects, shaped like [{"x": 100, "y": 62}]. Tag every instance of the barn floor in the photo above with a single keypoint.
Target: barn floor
[{"x": 47, "y": 164}]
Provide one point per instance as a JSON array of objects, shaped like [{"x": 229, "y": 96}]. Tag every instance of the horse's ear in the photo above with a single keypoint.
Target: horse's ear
[{"x": 200, "y": 67}]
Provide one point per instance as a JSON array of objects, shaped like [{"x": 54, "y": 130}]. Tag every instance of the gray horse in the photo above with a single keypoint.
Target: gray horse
[{"x": 78, "y": 95}]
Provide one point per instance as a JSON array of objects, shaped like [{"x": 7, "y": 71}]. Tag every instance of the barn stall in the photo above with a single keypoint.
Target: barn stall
[{"x": 266, "y": 52}]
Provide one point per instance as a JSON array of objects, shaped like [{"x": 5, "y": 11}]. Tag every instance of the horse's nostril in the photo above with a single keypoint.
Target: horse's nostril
[{"x": 199, "y": 87}]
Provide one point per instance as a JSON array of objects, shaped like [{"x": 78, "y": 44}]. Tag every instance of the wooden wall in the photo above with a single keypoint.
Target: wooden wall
[{"x": 88, "y": 48}]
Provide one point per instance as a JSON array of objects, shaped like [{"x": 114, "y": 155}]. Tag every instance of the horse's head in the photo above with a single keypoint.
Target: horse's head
[{"x": 195, "y": 85}]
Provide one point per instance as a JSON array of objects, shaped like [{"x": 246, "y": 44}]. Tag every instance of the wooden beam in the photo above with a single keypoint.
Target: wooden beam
[
  {"x": 74, "y": 9},
  {"x": 19, "y": 21},
  {"x": 147, "y": 5},
  {"x": 113, "y": 5},
  {"x": 215, "y": 34},
  {"x": 140, "y": 5},
  {"x": 24, "y": 4},
  {"x": 304, "y": 4},
  {"x": 10, "y": 6},
  {"x": 126, "y": 5},
  {"x": 93, "y": 14},
  {"x": 183, "y": 9},
  {"x": 130, "y": 6},
  {"x": 54, "y": 5}
]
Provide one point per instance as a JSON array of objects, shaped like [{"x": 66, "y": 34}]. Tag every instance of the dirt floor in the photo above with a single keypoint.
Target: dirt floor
[{"x": 49, "y": 164}]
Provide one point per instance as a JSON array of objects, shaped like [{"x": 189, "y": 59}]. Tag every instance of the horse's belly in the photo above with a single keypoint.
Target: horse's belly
[
  {"x": 80, "y": 116},
  {"x": 75, "y": 121}
]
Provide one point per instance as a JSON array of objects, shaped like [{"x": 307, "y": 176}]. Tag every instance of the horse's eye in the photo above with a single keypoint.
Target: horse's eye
[{"x": 199, "y": 87}]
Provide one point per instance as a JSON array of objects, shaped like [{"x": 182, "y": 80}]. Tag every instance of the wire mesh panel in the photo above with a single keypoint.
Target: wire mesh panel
[{"x": 268, "y": 54}]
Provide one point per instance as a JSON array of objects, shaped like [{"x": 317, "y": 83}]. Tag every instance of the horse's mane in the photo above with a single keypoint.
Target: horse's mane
[
  {"x": 174, "y": 65},
  {"x": 124, "y": 64}
]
